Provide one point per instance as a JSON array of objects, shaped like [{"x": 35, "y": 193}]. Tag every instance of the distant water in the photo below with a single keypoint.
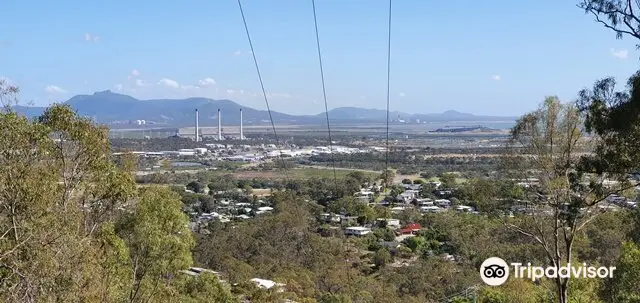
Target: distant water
[
  {"x": 492, "y": 124},
  {"x": 185, "y": 164}
]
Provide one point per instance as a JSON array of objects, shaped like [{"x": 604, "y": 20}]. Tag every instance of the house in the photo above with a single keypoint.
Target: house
[
  {"x": 431, "y": 209},
  {"x": 265, "y": 208},
  {"x": 417, "y": 187},
  {"x": 196, "y": 271},
  {"x": 435, "y": 184},
  {"x": 412, "y": 228},
  {"x": 364, "y": 195},
  {"x": 464, "y": 208},
  {"x": 357, "y": 231},
  {"x": 348, "y": 219},
  {"x": 408, "y": 195},
  {"x": 267, "y": 284},
  {"x": 445, "y": 203},
  {"x": 398, "y": 209},
  {"x": 335, "y": 218},
  {"x": 392, "y": 223},
  {"x": 424, "y": 202},
  {"x": 444, "y": 193}
]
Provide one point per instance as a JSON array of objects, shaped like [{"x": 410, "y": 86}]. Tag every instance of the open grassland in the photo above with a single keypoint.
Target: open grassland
[{"x": 300, "y": 173}]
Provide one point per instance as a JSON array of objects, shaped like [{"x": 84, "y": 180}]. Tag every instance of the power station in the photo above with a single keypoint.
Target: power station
[
  {"x": 219, "y": 124},
  {"x": 198, "y": 132}
]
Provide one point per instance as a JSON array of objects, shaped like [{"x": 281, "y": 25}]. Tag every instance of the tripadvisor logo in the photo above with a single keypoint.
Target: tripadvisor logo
[{"x": 495, "y": 271}]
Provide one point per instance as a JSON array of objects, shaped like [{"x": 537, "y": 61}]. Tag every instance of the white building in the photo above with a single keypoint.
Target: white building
[
  {"x": 393, "y": 223},
  {"x": 357, "y": 231}
]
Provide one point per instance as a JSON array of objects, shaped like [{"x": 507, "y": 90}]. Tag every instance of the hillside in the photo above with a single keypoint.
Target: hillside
[{"x": 112, "y": 108}]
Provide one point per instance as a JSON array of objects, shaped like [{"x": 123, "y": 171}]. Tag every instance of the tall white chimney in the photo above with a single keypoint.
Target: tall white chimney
[
  {"x": 241, "y": 132},
  {"x": 219, "y": 124},
  {"x": 197, "y": 126}
]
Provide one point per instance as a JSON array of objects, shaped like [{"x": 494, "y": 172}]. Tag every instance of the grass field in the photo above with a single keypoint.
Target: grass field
[{"x": 299, "y": 173}]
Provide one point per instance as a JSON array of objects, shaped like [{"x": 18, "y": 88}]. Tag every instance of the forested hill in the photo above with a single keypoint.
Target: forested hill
[{"x": 113, "y": 108}]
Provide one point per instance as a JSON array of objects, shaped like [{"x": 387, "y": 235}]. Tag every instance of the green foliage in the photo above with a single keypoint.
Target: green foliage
[
  {"x": 448, "y": 180},
  {"x": 625, "y": 286},
  {"x": 73, "y": 227},
  {"x": 415, "y": 243},
  {"x": 204, "y": 288},
  {"x": 158, "y": 238},
  {"x": 613, "y": 117},
  {"x": 195, "y": 186},
  {"x": 382, "y": 257},
  {"x": 387, "y": 177}
]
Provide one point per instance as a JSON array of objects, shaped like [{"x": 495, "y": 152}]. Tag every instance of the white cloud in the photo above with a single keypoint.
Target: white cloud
[
  {"x": 119, "y": 87},
  {"x": 206, "y": 82},
  {"x": 135, "y": 73},
  {"x": 140, "y": 83},
  {"x": 54, "y": 89},
  {"x": 401, "y": 95},
  {"x": 169, "y": 83},
  {"x": 91, "y": 38},
  {"x": 240, "y": 53},
  {"x": 496, "y": 77},
  {"x": 230, "y": 92},
  {"x": 620, "y": 54}
]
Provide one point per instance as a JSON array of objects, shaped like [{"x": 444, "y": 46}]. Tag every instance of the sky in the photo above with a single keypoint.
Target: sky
[{"x": 482, "y": 57}]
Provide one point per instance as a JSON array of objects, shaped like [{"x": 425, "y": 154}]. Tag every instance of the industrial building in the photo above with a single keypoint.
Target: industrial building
[{"x": 198, "y": 132}]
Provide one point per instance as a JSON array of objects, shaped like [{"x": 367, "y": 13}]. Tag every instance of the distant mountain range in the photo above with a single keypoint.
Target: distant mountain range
[{"x": 118, "y": 109}]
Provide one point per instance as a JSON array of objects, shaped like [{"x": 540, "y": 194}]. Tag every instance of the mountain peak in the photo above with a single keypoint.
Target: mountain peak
[{"x": 451, "y": 112}]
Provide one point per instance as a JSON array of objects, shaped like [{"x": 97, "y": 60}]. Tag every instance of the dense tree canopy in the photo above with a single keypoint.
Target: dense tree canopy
[{"x": 74, "y": 227}]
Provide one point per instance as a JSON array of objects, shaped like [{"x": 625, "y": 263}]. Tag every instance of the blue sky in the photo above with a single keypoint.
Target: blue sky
[{"x": 484, "y": 57}]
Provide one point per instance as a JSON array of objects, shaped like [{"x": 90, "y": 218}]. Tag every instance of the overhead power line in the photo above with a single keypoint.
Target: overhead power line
[
  {"x": 386, "y": 160},
  {"x": 324, "y": 95},
  {"x": 264, "y": 92}
]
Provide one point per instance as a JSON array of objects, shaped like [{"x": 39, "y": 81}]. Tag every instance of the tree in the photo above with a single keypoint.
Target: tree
[
  {"x": 625, "y": 286},
  {"x": 382, "y": 257},
  {"x": 613, "y": 117},
  {"x": 448, "y": 180},
  {"x": 359, "y": 176},
  {"x": 617, "y": 15},
  {"x": 543, "y": 145},
  {"x": 204, "y": 288},
  {"x": 73, "y": 228},
  {"x": 159, "y": 241},
  {"x": 426, "y": 175},
  {"x": 387, "y": 178},
  {"x": 407, "y": 181},
  {"x": 195, "y": 186},
  {"x": 59, "y": 189}
]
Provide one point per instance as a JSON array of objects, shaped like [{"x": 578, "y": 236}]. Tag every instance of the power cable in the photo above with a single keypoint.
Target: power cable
[
  {"x": 324, "y": 94},
  {"x": 386, "y": 160},
  {"x": 264, "y": 93}
]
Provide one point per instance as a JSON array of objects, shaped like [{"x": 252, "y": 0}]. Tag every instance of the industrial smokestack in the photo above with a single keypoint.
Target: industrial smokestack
[
  {"x": 219, "y": 124},
  {"x": 197, "y": 126},
  {"x": 241, "y": 132}
]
